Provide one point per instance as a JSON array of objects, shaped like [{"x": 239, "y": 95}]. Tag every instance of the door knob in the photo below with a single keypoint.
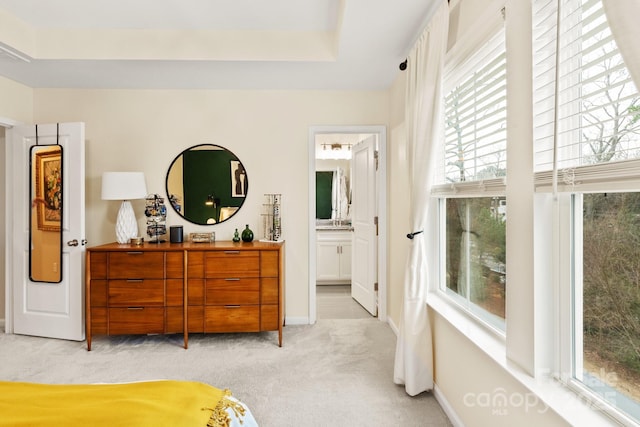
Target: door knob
[{"x": 73, "y": 242}]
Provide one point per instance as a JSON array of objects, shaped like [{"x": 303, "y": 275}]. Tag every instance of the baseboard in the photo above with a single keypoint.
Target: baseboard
[
  {"x": 446, "y": 407},
  {"x": 296, "y": 321},
  {"x": 393, "y": 326}
]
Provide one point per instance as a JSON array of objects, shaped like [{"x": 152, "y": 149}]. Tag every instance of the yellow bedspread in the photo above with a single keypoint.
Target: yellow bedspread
[{"x": 152, "y": 403}]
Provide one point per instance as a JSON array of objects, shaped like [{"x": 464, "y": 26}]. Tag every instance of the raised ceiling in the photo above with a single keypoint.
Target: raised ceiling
[{"x": 208, "y": 44}]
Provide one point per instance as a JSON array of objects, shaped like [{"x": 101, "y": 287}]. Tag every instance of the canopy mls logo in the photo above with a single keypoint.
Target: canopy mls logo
[{"x": 500, "y": 401}]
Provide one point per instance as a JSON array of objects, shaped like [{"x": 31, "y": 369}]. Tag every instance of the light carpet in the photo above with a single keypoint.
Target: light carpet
[{"x": 333, "y": 373}]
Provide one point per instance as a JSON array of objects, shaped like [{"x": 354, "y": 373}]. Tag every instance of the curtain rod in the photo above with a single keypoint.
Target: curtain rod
[{"x": 403, "y": 64}]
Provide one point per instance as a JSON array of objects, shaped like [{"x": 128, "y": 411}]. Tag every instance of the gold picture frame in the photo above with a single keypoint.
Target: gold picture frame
[{"x": 49, "y": 190}]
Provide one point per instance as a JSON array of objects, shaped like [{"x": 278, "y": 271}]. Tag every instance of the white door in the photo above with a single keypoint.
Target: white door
[
  {"x": 364, "y": 268},
  {"x": 52, "y": 308}
]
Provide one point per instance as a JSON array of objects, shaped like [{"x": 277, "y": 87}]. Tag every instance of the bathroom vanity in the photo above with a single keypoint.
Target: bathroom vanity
[{"x": 333, "y": 252}]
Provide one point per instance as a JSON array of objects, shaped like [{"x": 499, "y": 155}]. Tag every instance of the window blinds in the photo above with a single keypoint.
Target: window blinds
[
  {"x": 598, "y": 107},
  {"x": 475, "y": 113}
]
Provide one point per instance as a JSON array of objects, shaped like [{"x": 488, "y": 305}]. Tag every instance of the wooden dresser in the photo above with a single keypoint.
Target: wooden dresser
[{"x": 172, "y": 288}]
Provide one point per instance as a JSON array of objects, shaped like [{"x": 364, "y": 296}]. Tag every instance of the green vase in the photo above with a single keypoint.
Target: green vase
[
  {"x": 236, "y": 236},
  {"x": 247, "y": 234}
]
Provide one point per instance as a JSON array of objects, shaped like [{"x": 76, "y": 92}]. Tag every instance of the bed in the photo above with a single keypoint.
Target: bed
[{"x": 139, "y": 404}]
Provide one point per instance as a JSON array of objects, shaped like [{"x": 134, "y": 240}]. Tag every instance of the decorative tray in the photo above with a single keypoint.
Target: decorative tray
[{"x": 202, "y": 237}]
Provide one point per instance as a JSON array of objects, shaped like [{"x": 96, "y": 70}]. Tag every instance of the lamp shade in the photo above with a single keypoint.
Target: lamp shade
[{"x": 123, "y": 186}]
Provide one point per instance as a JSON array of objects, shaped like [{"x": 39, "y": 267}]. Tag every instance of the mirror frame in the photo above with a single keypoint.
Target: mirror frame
[
  {"x": 225, "y": 196},
  {"x": 37, "y": 209}
]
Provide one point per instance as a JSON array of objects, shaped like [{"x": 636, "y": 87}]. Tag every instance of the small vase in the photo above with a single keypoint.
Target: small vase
[
  {"x": 247, "y": 234},
  {"x": 236, "y": 236}
]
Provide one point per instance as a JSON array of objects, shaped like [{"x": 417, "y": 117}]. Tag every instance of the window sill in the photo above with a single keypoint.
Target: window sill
[{"x": 571, "y": 407}]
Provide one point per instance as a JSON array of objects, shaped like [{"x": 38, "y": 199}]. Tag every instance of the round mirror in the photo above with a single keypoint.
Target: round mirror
[{"x": 206, "y": 184}]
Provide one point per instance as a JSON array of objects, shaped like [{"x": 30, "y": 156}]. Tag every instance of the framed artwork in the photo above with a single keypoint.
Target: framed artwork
[
  {"x": 49, "y": 190},
  {"x": 238, "y": 179}
]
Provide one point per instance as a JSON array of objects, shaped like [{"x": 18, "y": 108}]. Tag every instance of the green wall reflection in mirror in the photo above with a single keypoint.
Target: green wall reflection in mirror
[{"x": 206, "y": 184}]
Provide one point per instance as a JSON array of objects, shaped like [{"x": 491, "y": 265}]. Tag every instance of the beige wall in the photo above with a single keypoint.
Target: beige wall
[
  {"x": 267, "y": 130},
  {"x": 474, "y": 384},
  {"x": 3, "y": 236},
  {"x": 16, "y": 101},
  {"x": 398, "y": 199},
  {"x": 16, "y": 104}
]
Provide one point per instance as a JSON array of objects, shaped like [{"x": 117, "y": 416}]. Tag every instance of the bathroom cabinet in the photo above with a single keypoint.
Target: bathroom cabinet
[{"x": 333, "y": 256}]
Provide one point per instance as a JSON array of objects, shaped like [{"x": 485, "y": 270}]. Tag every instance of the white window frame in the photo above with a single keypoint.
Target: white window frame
[
  {"x": 570, "y": 278},
  {"x": 494, "y": 187},
  {"x": 566, "y": 244}
]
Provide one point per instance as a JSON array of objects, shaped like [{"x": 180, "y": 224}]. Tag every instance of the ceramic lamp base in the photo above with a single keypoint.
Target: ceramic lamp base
[{"x": 126, "y": 224}]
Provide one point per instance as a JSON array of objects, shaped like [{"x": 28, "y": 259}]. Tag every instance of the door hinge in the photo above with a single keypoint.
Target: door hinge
[
  {"x": 375, "y": 286},
  {"x": 376, "y": 158},
  {"x": 375, "y": 222}
]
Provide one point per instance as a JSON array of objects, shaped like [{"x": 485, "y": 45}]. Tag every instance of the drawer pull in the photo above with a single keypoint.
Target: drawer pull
[
  {"x": 232, "y": 306},
  {"x": 135, "y": 308},
  {"x": 232, "y": 279},
  {"x": 135, "y": 280},
  {"x": 135, "y": 253},
  {"x": 232, "y": 252}
]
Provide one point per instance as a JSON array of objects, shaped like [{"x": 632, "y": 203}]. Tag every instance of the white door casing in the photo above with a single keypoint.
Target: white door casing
[
  {"x": 380, "y": 132},
  {"x": 54, "y": 310},
  {"x": 364, "y": 250}
]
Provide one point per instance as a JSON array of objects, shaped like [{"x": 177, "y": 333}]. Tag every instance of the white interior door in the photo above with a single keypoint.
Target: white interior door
[
  {"x": 40, "y": 308},
  {"x": 364, "y": 270}
]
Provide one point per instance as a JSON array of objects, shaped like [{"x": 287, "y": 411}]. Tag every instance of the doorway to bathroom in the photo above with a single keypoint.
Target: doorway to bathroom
[{"x": 347, "y": 222}]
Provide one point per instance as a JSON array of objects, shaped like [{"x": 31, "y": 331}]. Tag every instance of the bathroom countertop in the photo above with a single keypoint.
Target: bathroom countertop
[
  {"x": 334, "y": 228},
  {"x": 333, "y": 225}
]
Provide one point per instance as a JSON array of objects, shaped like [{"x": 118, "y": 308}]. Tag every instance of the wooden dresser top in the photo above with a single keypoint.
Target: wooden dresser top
[{"x": 221, "y": 245}]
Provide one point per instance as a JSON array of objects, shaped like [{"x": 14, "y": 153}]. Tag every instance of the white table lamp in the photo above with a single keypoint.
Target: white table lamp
[{"x": 124, "y": 186}]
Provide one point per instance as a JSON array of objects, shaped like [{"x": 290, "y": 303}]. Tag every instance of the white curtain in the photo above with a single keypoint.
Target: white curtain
[
  {"x": 423, "y": 111},
  {"x": 622, "y": 16}
]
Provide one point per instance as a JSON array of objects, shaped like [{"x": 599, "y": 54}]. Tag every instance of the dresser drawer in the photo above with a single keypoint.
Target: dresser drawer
[
  {"x": 136, "y": 292},
  {"x": 269, "y": 264},
  {"x": 269, "y": 319},
  {"x": 98, "y": 320},
  {"x": 136, "y": 265},
  {"x": 136, "y": 320},
  {"x": 98, "y": 265},
  {"x": 174, "y": 265},
  {"x": 98, "y": 293},
  {"x": 232, "y": 318},
  {"x": 174, "y": 294},
  {"x": 175, "y": 320},
  {"x": 232, "y": 264},
  {"x": 232, "y": 291}
]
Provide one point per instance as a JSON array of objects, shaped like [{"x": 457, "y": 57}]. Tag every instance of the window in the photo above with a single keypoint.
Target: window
[
  {"x": 596, "y": 147},
  {"x": 475, "y": 116},
  {"x": 607, "y": 348},
  {"x": 598, "y": 104},
  {"x": 475, "y": 255},
  {"x": 470, "y": 181}
]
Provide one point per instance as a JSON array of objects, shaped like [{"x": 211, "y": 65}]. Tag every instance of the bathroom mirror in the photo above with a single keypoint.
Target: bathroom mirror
[
  {"x": 206, "y": 184},
  {"x": 45, "y": 213}
]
